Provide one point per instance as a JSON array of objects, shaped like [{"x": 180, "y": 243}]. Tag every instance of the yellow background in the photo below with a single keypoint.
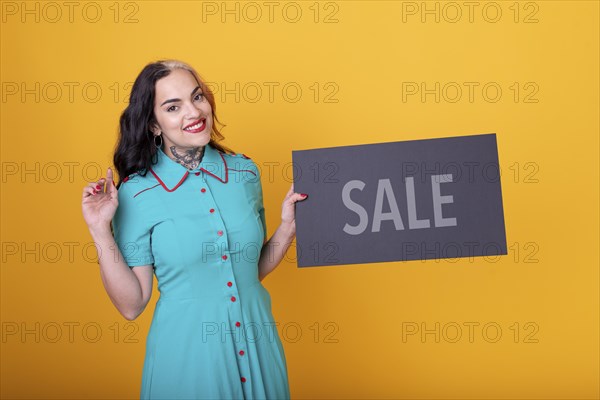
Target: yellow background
[{"x": 548, "y": 154}]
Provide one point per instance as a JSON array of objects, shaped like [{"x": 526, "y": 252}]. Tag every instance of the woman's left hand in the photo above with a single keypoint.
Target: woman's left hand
[{"x": 288, "y": 209}]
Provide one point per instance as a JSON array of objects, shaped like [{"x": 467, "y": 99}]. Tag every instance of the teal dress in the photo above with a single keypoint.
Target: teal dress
[{"x": 212, "y": 334}]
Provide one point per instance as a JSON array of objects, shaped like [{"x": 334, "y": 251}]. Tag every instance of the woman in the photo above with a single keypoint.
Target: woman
[{"x": 190, "y": 211}]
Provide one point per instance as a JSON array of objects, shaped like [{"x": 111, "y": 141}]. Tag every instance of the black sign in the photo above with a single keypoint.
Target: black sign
[{"x": 398, "y": 201}]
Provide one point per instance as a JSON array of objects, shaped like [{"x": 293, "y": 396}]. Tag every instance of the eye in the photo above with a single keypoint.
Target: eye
[
  {"x": 169, "y": 109},
  {"x": 199, "y": 96}
]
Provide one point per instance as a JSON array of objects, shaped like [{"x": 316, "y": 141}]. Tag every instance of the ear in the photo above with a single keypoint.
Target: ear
[{"x": 154, "y": 128}]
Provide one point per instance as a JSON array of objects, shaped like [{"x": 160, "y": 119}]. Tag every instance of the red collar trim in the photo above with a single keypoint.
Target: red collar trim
[
  {"x": 224, "y": 167},
  {"x": 165, "y": 186},
  {"x": 186, "y": 173}
]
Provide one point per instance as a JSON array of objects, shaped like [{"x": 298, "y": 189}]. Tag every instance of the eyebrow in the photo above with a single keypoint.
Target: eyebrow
[{"x": 175, "y": 100}]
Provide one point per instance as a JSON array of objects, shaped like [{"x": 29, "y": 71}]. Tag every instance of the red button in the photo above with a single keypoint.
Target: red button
[
  {"x": 212, "y": 210},
  {"x": 232, "y": 298},
  {"x": 220, "y": 233},
  {"x": 224, "y": 257},
  {"x": 241, "y": 352},
  {"x": 203, "y": 190},
  {"x": 229, "y": 284},
  {"x": 197, "y": 173},
  {"x": 243, "y": 379},
  {"x": 237, "y": 324}
]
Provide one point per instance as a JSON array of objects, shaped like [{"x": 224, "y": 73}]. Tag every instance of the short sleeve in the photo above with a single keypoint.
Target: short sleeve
[
  {"x": 131, "y": 230},
  {"x": 255, "y": 178},
  {"x": 261, "y": 210}
]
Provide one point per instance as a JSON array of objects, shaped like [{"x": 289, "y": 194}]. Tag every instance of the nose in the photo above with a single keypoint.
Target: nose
[{"x": 192, "y": 112}]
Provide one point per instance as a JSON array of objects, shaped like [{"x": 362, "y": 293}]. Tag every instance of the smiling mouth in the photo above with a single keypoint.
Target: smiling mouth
[{"x": 197, "y": 127}]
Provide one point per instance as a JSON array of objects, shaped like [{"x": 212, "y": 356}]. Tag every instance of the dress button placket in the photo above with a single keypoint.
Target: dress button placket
[{"x": 231, "y": 289}]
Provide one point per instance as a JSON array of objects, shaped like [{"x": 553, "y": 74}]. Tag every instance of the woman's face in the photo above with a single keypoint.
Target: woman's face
[{"x": 183, "y": 114}]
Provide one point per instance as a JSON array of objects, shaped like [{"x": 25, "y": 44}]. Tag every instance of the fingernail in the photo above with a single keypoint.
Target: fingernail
[
  {"x": 303, "y": 195},
  {"x": 98, "y": 187}
]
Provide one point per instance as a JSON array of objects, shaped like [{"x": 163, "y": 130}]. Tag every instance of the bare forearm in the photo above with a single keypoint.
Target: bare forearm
[
  {"x": 274, "y": 249},
  {"x": 121, "y": 284}
]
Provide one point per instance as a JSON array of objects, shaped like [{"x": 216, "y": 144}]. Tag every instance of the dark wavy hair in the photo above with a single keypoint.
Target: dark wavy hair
[{"x": 135, "y": 150}]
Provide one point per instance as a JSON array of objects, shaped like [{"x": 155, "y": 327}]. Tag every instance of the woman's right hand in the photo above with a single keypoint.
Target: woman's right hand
[{"x": 100, "y": 201}]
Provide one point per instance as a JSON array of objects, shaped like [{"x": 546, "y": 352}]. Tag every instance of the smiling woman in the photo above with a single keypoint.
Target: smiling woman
[
  {"x": 168, "y": 102},
  {"x": 183, "y": 140},
  {"x": 187, "y": 210}
]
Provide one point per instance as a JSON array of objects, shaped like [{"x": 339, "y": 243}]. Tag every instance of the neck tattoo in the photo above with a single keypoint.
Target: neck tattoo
[{"x": 189, "y": 158}]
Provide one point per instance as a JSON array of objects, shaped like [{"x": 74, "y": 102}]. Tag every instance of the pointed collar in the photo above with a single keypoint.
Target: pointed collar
[{"x": 171, "y": 174}]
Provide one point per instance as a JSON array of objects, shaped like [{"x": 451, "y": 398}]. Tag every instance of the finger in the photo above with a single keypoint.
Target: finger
[
  {"x": 94, "y": 186},
  {"x": 297, "y": 197},
  {"x": 290, "y": 192},
  {"x": 89, "y": 190},
  {"x": 101, "y": 183},
  {"x": 98, "y": 186},
  {"x": 110, "y": 182}
]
